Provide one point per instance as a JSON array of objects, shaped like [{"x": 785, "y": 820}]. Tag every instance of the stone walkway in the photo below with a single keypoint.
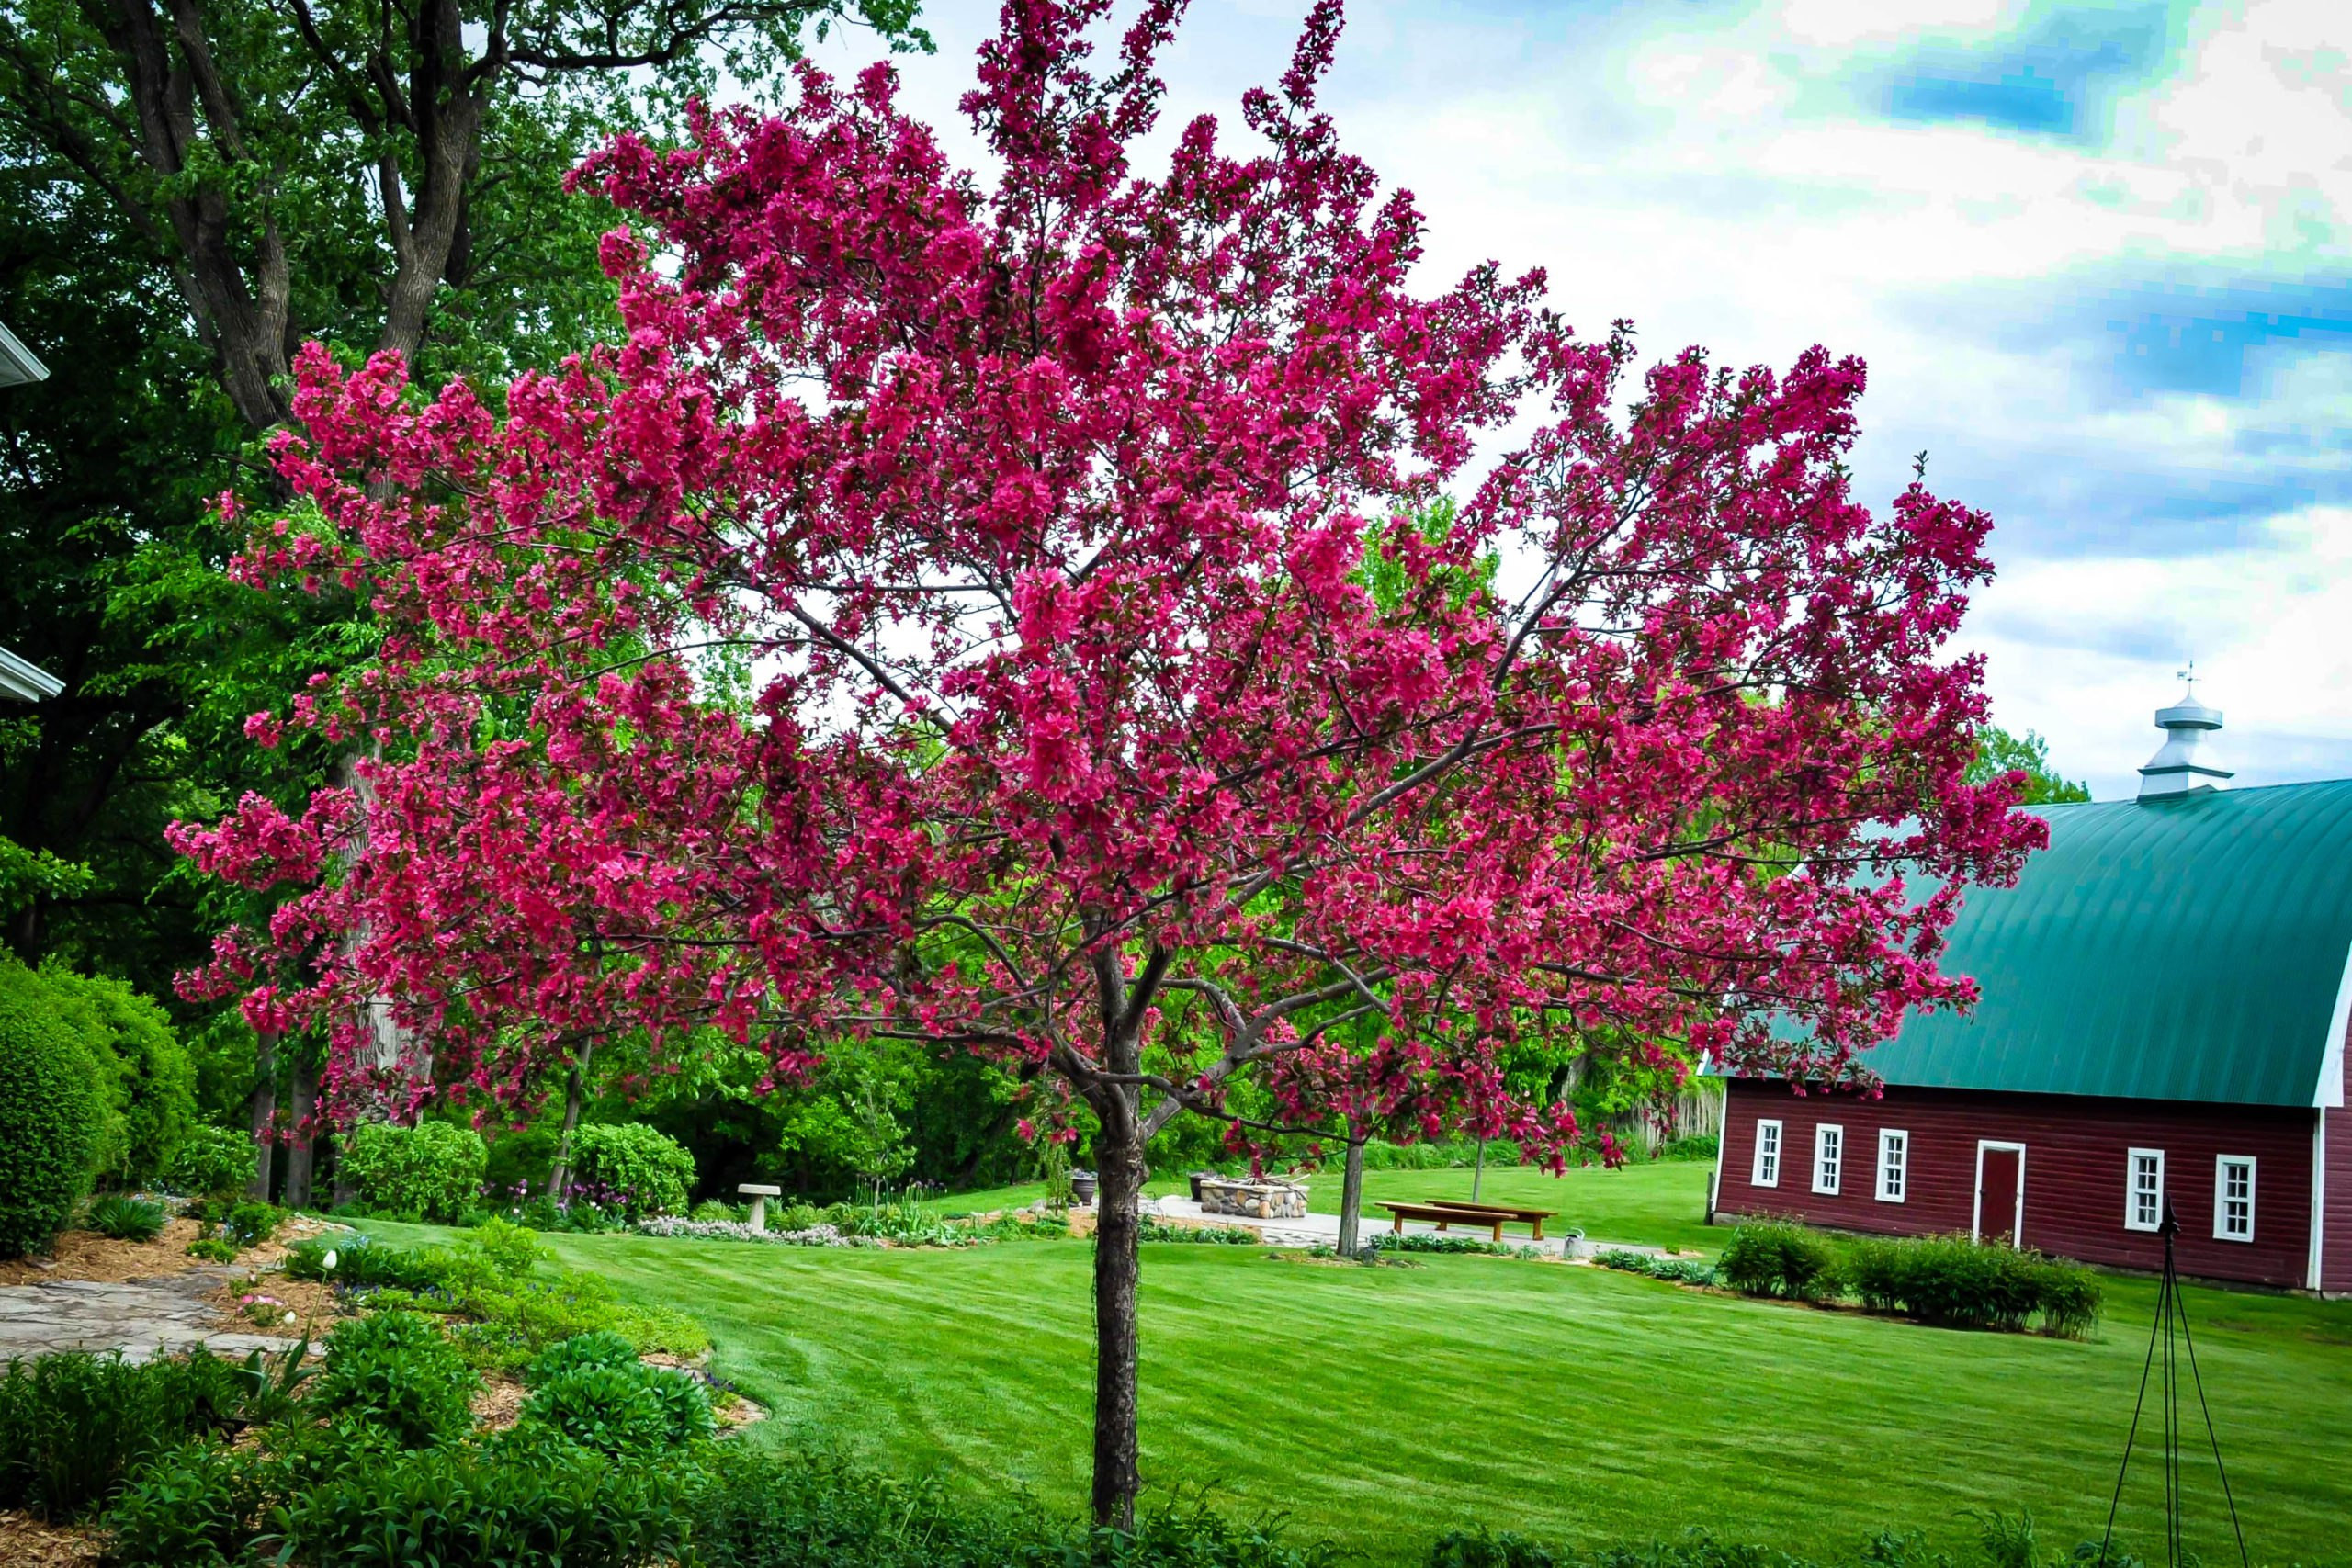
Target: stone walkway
[{"x": 141, "y": 1318}]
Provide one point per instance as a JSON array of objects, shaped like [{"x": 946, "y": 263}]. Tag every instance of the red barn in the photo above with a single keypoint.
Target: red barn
[{"x": 2165, "y": 994}]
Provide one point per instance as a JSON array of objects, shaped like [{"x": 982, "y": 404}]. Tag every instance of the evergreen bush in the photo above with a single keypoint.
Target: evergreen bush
[
  {"x": 51, "y": 1107},
  {"x": 147, "y": 1077},
  {"x": 639, "y": 1170},
  {"x": 432, "y": 1171},
  {"x": 1784, "y": 1261}
]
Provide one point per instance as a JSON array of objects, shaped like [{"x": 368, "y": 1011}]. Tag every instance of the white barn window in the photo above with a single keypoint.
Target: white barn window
[
  {"x": 1767, "y": 1172},
  {"x": 2144, "y": 1202},
  {"x": 2234, "y": 1198},
  {"x": 1894, "y": 1164},
  {"x": 1829, "y": 1157}
]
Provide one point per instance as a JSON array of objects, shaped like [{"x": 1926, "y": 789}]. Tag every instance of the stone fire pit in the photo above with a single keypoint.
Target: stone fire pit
[{"x": 1253, "y": 1200}]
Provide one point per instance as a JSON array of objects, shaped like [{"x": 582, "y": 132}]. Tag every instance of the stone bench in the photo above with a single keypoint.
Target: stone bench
[
  {"x": 758, "y": 1196},
  {"x": 1253, "y": 1200}
]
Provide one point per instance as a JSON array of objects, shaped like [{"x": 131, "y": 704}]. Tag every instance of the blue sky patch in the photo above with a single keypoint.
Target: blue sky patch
[{"x": 2056, "y": 74}]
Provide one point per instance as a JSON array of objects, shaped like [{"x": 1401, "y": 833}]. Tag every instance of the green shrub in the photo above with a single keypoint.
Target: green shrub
[
  {"x": 1953, "y": 1281},
  {"x": 192, "y": 1507},
  {"x": 1783, "y": 1261},
  {"x": 431, "y": 1171},
  {"x": 148, "y": 1080},
  {"x": 122, "y": 1218},
  {"x": 598, "y": 1348},
  {"x": 639, "y": 1170},
  {"x": 72, "y": 1425},
  {"x": 394, "y": 1370},
  {"x": 621, "y": 1408},
  {"x": 1679, "y": 1270},
  {"x": 251, "y": 1224},
  {"x": 542, "y": 1509},
  {"x": 212, "y": 1162},
  {"x": 213, "y": 1249},
  {"x": 363, "y": 1262},
  {"x": 50, "y": 1110}
]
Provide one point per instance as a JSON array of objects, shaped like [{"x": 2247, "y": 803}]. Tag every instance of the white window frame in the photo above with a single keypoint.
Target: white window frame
[
  {"x": 1829, "y": 1158},
  {"x": 1894, "y": 1161},
  {"x": 2222, "y": 1231},
  {"x": 2132, "y": 1190},
  {"x": 1766, "y": 1171}
]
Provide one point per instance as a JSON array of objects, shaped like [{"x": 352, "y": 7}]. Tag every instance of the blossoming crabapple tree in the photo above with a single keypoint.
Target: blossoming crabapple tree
[{"x": 1034, "y": 515}]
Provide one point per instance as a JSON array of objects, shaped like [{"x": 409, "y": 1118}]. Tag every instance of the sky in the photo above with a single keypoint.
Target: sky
[{"x": 2099, "y": 257}]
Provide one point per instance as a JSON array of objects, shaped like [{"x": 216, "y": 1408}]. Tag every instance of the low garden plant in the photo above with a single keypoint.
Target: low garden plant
[
  {"x": 1680, "y": 1270},
  {"x": 125, "y": 1218},
  {"x": 212, "y": 1162},
  {"x": 1948, "y": 1279}
]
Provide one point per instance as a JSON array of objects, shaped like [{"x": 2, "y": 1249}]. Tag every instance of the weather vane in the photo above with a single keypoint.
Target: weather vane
[{"x": 2188, "y": 675}]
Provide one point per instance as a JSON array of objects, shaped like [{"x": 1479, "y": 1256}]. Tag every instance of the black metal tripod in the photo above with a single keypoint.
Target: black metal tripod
[{"x": 2171, "y": 1336}]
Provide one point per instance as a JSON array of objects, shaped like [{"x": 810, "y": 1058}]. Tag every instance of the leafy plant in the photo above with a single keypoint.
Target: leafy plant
[
  {"x": 51, "y": 1107},
  {"x": 251, "y": 1224},
  {"x": 639, "y": 1170},
  {"x": 192, "y": 1507},
  {"x": 1955, "y": 1280},
  {"x": 431, "y": 1171},
  {"x": 126, "y": 1219},
  {"x": 1784, "y": 1261},
  {"x": 598, "y": 1348},
  {"x": 212, "y": 1162},
  {"x": 394, "y": 1369},
  {"x": 213, "y": 1249},
  {"x": 73, "y": 1425},
  {"x": 1680, "y": 1270},
  {"x": 621, "y": 1408}
]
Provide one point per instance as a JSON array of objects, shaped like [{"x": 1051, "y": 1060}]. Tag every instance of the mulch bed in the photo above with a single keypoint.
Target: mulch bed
[{"x": 26, "y": 1542}]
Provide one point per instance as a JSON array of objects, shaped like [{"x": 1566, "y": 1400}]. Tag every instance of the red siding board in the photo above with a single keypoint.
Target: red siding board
[
  {"x": 2074, "y": 1171},
  {"x": 2336, "y": 1207}
]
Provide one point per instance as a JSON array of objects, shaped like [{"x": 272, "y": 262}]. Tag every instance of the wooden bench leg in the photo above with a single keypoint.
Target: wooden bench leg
[
  {"x": 1498, "y": 1233},
  {"x": 1539, "y": 1230},
  {"x": 1442, "y": 1223},
  {"x": 1398, "y": 1228}
]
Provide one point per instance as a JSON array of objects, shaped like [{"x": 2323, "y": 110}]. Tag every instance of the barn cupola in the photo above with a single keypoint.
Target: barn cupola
[{"x": 2180, "y": 765}]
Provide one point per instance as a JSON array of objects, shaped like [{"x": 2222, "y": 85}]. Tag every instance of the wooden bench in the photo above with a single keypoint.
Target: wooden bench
[{"x": 1535, "y": 1217}]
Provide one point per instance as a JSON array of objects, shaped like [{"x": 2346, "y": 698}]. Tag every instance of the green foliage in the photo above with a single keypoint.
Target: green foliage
[
  {"x": 149, "y": 1084},
  {"x": 126, "y": 1219},
  {"x": 549, "y": 1508},
  {"x": 1448, "y": 1154},
  {"x": 213, "y": 1162},
  {"x": 1784, "y": 1261},
  {"x": 72, "y": 1425},
  {"x": 213, "y": 1249},
  {"x": 432, "y": 1171},
  {"x": 601, "y": 1347},
  {"x": 50, "y": 1109},
  {"x": 1698, "y": 1146},
  {"x": 1962, "y": 1283},
  {"x": 1152, "y": 1229},
  {"x": 393, "y": 1370},
  {"x": 1680, "y": 1270},
  {"x": 251, "y": 1224},
  {"x": 621, "y": 1408},
  {"x": 638, "y": 1169},
  {"x": 1998, "y": 751}
]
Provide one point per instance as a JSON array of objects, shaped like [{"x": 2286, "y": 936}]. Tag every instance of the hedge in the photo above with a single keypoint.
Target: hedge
[
  {"x": 431, "y": 1171},
  {"x": 51, "y": 1113},
  {"x": 148, "y": 1079},
  {"x": 1948, "y": 1279},
  {"x": 628, "y": 1166}
]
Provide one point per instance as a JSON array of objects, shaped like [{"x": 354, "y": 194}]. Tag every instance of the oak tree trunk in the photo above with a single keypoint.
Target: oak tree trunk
[
  {"x": 1118, "y": 1224},
  {"x": 262, "y": 1107}
]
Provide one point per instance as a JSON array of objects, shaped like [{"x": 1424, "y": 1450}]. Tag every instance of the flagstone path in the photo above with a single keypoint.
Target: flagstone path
[{"x": 141, "y": 1318}]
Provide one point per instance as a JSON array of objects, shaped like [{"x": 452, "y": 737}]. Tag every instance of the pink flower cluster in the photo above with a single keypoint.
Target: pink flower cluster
[{"x": 999, "y": 612}]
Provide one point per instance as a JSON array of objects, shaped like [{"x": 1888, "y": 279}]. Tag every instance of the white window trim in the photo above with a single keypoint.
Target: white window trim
[
  {"x": 1758, "y": 1174},
  {"x": 2132, "y": 1158},
  {"x": 2222, "y": 1163},
  {"x": 1836, "y": 1174},
  {"x": 1891, "y": 1139}
]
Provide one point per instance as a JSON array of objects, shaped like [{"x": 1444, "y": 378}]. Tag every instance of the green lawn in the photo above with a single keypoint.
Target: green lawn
[{"x": 1382, "y": 1406}]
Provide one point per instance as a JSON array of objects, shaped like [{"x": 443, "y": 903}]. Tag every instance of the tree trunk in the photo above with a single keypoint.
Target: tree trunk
[
  {"x": 301, "y": 1136},
  {"x": 571, "y": 1094},
  {"x": 1351, "y": 1191},
  {"x": 1117, "y": 1269},
  {"x": 264, "y": 1109},
  {"x": 1478, "y": 1169}
]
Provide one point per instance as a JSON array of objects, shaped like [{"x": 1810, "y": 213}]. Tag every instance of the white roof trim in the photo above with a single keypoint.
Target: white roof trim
[
  {"x": 2328, "y": 1094},
  {"x": 24, "y": 680},
  {"x": 18, "y": 365}
]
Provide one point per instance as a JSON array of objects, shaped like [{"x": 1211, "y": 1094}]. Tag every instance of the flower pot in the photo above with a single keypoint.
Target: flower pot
[
  {"x": 1082, "y": 1185},
  {"x": 1196, "y": 1178}
]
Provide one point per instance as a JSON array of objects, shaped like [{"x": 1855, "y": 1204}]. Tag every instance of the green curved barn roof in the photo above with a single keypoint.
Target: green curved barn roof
[{"x": 2191, "y": 947}]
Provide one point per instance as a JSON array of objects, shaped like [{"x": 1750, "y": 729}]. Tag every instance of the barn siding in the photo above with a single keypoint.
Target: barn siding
[
  {"x": 2074, "y": 1179},
  {"x": 2335, "y": 1214}
]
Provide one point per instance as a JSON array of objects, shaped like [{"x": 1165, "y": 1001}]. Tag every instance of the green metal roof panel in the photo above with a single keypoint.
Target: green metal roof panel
[{"x": 2185, "y": 948}]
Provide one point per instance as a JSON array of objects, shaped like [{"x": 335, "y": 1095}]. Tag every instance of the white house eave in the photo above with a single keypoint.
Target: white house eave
[
  {"x": 2328, "y": 1093},
  {"x": 25, "y": 681},
  {"x": 18, "y": 365}
]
